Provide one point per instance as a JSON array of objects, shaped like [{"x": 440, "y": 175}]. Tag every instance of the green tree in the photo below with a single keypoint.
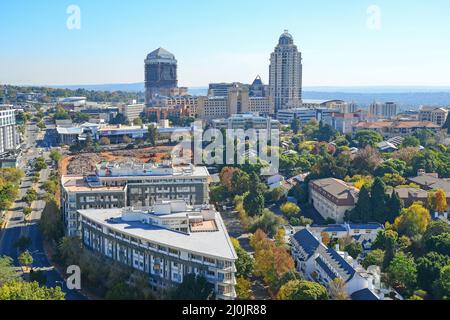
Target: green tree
[
  {"x": 193, "y": 288},
  {"x": 439, "y": 243},
  {"x": 394, "y": 207},
  {"x": 362, "y": 212},
  {"x": 243, "y": 288},
  {"x": 367, "y": 138},
  {"x": 268, "y": 221},
  {"x": 402, "y": 272},
  {"x": 429, "y": 268},
  {"x": 254, "y": 200},
  {"x": 244, "y": 262},
  {"x": 373, "y": 258},
  {"x": 55, "y": 155},
  {"x": 7, "y": 271},
  {"x": 20, "y": 290},
  {"x": 295, "y": 125},
  {"x": 25, "y": 259},
  {"x": 378, "y": 200},
  {"x": 354, "y": 249},
  {"x": 443, "y": 284},
  {"x": 302, "y": 290},
  {"x": 410, "y": 141},
  {"x": 22, "y": 243}
]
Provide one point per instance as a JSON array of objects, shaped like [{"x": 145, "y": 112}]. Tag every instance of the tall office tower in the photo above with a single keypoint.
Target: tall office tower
[
  {"x": 257, "y": 88},
  {"x": 387, "y": 110},
  {"x": 160, "y": 74},
  {"x": 285, "y": 74}
]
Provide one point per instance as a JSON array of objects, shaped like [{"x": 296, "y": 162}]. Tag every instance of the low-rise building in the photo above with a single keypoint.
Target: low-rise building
[
  {"x": 332, "y": 198},
  {"x": 305, "y": 115},
  {"x": 132, "y": 111},
  {"x": 316, "y": 262},
  {"x": 390, "y": 129},
  {"x": 167, "y": 242}
]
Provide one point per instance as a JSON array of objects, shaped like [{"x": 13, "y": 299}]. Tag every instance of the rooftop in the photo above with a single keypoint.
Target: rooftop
[
  {"x": 337, "y": 188},
  {"x": 213, "y": 243}
]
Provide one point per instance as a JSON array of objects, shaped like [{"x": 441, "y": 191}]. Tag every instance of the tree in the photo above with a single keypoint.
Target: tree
[
  {"x": 429, "y": 268},
  {"x": 290, "y": 209},
  {"x": 243, "y": 288},
  {"x": 394, "y": 206},
  {"x": 55, "y": 155},
  {"x": 27, "y": 211},
  {"x": 25, "y": 259},
  {"x": 295, "y": 125},
  {"x": 441, "y": 201},
  {"x": 152, "y": 135},
  {"x": 137, "y": 122},
  {"x": 366, "y": 160},
  {"x": 354, "y": 249},
  {"x": 435, "y": 228},
  {"x": 241, "y": 182},
  {"x": 302, "y": 290},
  {"x": 413, "y": 221},
  {"x": 378, "y": 200},
  {"x": 337, "y": 290},
  {"x": 193, "y": 288},
  {"x": 20, "y": 290},
  {"x": 254, "y": 200},
  {"x": 373, "y": 258},
  {"x": 368, "y": 138},
  {"x": 390, "y": 246},
  {"x": 126, "y": 139},
  {"x": 51, "y": 224},
  {"x": 439, "y": 243},
  {"x": 363, "y": 210},
  {"x": 7, "y": 271},
  {"x": 277, "y": 194},
  {"x": 443, "y": 284},
  {"x": 410, "y": 141},
  {"x": 105, "y": 141},
  {"x": 226, "y": 177},
  {"x": 244, "y": 262},
  {"x": 268, "y": 221},
  {"x": 392, "y": 179},
  {"x": 40, "y": 164},
  {"x": 402, "y": 272}
]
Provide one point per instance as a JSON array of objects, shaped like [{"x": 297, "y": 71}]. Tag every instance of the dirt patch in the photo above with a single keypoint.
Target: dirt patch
[{"x": 85, "y": 163}]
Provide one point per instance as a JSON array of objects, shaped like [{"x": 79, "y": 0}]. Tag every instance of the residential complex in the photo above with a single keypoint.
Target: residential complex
[
  {"x": 166, "y": 241},
  {"x": 316, "y": 262},
  {"x": 433, "y": 114},
  {"x": 285, "y": 74},
  {"x": 116, "y": 185},
  {"x": 332, "y": 198},
  {"x": 389, "y": 129}
]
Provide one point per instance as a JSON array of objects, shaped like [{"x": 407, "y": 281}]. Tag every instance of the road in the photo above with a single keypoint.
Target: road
[{"x": 17, "y": 227}]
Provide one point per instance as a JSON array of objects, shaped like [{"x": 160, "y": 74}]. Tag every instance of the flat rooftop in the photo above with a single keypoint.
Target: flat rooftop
[
  {"x": 212, "y": 244},
  {"x": 79, "y": 184}
]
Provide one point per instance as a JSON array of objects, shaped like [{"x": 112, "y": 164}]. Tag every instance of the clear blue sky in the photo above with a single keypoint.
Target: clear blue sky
[{"x": 225, "y": 40}]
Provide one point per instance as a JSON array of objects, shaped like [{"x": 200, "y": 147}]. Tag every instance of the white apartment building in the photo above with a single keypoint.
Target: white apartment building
[
  {"x": 9, "y": 139},
  {"x": 167, "y": 242},
  {"x": 316, "y": 262},
  {"x": 132, "y": 111},
  {"x": 305, "y": 115}
]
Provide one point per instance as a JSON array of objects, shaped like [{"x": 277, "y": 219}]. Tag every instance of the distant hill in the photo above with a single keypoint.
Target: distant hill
[{"x": 405, "y": 97}]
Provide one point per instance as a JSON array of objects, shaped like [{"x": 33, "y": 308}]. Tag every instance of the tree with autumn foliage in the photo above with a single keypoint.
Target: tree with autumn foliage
[
  {"x": 271, "y": 261},
  {"x": 226, "y": 177},
  {"x": 413, "y": 221},
  {"x": 441, "y": 201}
]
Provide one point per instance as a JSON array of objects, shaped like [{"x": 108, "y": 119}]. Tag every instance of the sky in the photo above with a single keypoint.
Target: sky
[{"x": 343, "y": 43}]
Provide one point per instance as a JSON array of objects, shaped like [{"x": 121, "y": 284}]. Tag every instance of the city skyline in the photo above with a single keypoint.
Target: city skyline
[{"x": 369, "y": 44}]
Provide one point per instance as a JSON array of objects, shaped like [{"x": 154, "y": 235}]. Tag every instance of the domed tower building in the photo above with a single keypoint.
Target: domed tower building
[
  {"x": 285, "y": 74},
  {"x": 160, "y": 74}
]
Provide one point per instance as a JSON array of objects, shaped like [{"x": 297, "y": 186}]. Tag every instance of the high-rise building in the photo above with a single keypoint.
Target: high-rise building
[
  {"x": 384, "y": 110},
  {"x": 9, "y": 138},
  {"x": 160, "y": 74},
  {"x": 285, "y": 73}
]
